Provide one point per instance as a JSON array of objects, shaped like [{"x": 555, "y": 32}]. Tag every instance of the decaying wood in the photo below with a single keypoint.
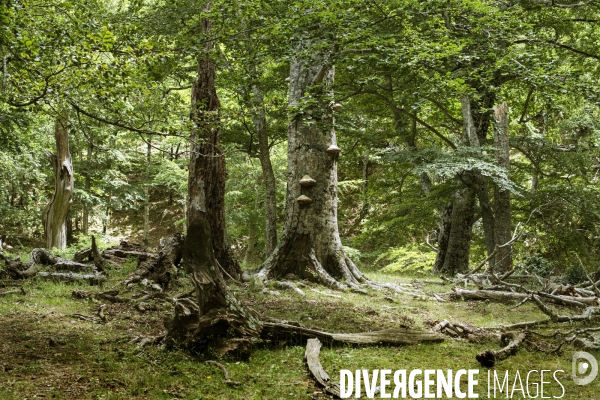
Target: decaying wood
[
  {"x": 388, "y": 336},
  {"x": 504, "y": 297},
  {"x": 40, "y": 258},
  {"x": 158, "y": 268},
  {"x": 589, "y": 313},
  {"x": 512, "y": 342},
  {"x": 82, "y": 255},
  {"x": 311, "y": 355},
  {"x": 225, "y": 372},
  {"x": 465, "y": 331},
  {"x": 92, "y": 279}
]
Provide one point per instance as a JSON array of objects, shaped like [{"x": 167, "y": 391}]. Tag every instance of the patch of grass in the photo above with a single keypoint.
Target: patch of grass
[{"x": 48, "y": 353}]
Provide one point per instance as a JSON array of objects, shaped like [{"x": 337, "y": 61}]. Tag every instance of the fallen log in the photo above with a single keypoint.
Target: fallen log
[
  {"x": 92, "y": 279},
  {"x": 504, "y": 297},
  {"x": 394, "y": 336},
  {"x": 311, "y": 355},
  {"x": 512, "y": 342}
]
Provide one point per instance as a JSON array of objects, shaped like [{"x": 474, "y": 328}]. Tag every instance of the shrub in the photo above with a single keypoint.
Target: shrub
[{"x": 410, "y": 259}]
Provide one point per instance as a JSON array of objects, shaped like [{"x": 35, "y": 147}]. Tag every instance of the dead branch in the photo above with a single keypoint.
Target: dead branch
[
  {"x": 225, "y": 372},
  {"x": 589, "y": 313},
  {"x": 311, "y": 355},
  {"x": 512, "y": 342}
]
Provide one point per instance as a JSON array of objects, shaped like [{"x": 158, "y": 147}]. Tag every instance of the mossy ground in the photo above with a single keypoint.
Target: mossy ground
[{"x": 47, "y": 353}]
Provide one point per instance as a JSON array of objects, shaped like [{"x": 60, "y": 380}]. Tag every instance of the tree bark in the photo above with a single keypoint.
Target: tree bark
[
  {"x": 502, "y": 225},
  {"x": 207, "y": 165},
  {"x": 217, "y": 320},
  {"x": 260, "y": 123},
  {"x": 310, "y": 246},
  {"x": 459, "y": 236},
  {"x": 478, "y": 182},
  {"x": 88, "y": 185},
  {"x": 147, "y": 195},
  {"x": 55, "y": 214},
  {"x": 443, "y": 236}
]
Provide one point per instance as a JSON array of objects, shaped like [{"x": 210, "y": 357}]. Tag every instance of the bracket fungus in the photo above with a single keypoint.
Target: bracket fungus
[
  {"x": 303, "y": 200},
  {"x": 333, "y": 149},
  {"x": 307, "y": 181}
]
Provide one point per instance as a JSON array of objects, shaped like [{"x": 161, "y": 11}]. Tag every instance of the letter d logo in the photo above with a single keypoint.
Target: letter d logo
[{"x": 580, "y": 368}]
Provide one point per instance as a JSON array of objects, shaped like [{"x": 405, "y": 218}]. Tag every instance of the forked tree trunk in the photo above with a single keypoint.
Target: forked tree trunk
[
  {"x": 260, "y": 123},
  {"x": 310, "y": 246},
  {"x": 208, "y": 163},
  {"x": 502, "y": 226},
  {"x": 218, "y": 321},
  {"x": 54, "y": 217}
]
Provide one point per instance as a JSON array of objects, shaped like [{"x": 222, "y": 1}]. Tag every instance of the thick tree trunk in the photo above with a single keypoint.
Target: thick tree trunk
[
  {"x": 502, "y": 226},
  {"x": 260, "y": 123},
  {"x": 310, "y": 246},
  {"x": 459, "y": 237},
  {"x": 217, "y": 321},
  {"x": 208, "y": 163},
  {"x": 55, "y": 215}
]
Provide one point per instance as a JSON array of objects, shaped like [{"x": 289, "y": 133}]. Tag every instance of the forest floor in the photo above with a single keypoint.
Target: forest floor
[{"x": 46, "y": 352}]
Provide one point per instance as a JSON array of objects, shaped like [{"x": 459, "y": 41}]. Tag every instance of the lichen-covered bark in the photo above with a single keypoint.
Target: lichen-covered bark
[
  {"x": 310, "y": 246},
  {"x": 55, "y": 214},
  {"x": 502, "y": 227}
]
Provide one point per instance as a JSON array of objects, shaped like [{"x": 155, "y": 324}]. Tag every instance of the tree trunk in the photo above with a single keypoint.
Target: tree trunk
[
  {"x": 217, "y": 321},
  {"x": 252, "y": 234},
  {"x": 147, "y": 195},
  {"x": 364, "y": 208},
  {"x": 260, "y": 123},
  {"x": 55, "y": 214},
  {"x": 478, "y": 182},
  {"x": 459, "y": 237},
  {"x": 502, "y": 226},
  {"x": 443, "y": 236},
  {"x": 310, "y": 246},
  {"x": 208, "y": 163},
  {"x": 88, "y": 185}
]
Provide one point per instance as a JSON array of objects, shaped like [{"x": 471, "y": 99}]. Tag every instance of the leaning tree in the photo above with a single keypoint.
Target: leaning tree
[{"x": 310, "y": 246}]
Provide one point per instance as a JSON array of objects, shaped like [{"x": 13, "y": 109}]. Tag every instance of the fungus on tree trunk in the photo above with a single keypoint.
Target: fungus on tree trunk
[
  {"x": 54, "y": 217},
  {"x": 310, "y": 246}
]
